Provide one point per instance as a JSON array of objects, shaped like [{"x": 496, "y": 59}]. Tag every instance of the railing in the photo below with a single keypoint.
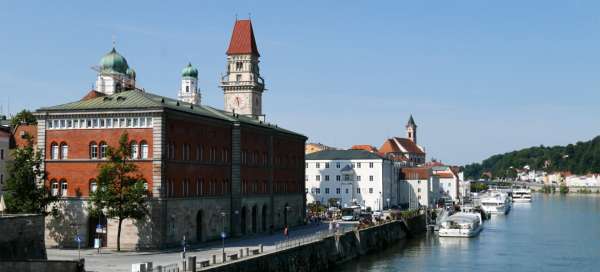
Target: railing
[{"x": 302, "y": 240}]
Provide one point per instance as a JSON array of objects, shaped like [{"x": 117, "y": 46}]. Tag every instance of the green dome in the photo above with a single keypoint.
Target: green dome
[
  {"x": 113, "y": 63},
  {"x": 131, "y": 73},
  {"x": 189, "y": 71}
]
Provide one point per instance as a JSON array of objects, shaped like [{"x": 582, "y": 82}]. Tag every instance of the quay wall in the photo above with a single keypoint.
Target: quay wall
[
  {"x": 326, "y": 254},
  {"x": 22, "y": 237}
]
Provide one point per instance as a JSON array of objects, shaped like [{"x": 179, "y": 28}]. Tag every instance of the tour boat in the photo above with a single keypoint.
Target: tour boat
[
  {"x": 495, "y": 203},
  {"x": 461, "y": 224},
  {"x": 521, "y": 195}
]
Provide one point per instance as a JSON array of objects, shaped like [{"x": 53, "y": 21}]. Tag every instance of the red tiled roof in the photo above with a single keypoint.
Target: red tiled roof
[
  {"x": 242, "y": 39},
  {"x": 444, "y": 175},
  {"x": 369, "y": 148},
  {"x": 392, "y": 145},
  {"x": 414, "y": 173},
  {"x": 92, "y": 94}
]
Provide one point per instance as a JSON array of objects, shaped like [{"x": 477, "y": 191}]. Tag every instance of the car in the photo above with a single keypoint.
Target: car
[{"x": 377, "y": 214}]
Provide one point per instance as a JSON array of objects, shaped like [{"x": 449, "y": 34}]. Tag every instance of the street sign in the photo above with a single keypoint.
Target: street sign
[
  {"x": 223, "y": 235},
  {"x": 78, "y": 239},
  {"x": 97, "y": 243},
  {"x": 100, "y": 229}
]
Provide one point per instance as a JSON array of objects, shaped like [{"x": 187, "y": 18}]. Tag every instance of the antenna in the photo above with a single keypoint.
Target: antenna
[
  {"x": 114, "y": 40},
  {"x": 236, "y": 17},
  {"x": 249, "y": 16}
]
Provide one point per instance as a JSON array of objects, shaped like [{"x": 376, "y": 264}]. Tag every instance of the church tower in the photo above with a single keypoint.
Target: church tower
[
  {"x": 189, "y": 85},
  {"x": 114, "y": 74},
  {"x": 411, "y": 129},
  {"x": 242, "y": 85}
]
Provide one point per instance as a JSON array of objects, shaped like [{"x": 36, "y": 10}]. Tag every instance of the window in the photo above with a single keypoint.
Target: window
[
  {"x": 1, "y": 179},
  {"x": 135, "y": 122},
  {"x": 358, "y": 191},
  {"x": 370, "y": 165},
  {"x": 370, "y": 190},
  {"x": 326, "y": 190},
  {"x": 93, "y": 150},
  {"x": 54, "y": 188},
  {"x": 142, "y": 122},
  {"x": 64, "y": 151},
  {"x": 318, "y": 190},
  {"x": 1, "y": 154},
  {"x": 239, "y": 65},
  {"x": 199, "y": 151},
  {"x": 337, "y": 191},
  {"x": 318, "y": 165},
  {"x": 357, "y": 178},
  {"x": 338, "y": 177},
  {"x": 103, "y": 150},
  {"x": 337, "y": 165},
  {"x": 69, "y": 123},
  {"x": 63, "y": 188},
  {"x": 306, "y": 165},
  {"x": 95, "y": 123},
  {"x": 238, "y": 77},
  {"x": 358, "y": 165},
  {"x": 128, "y": 122},
  {"x": 102, "y": 124},
  {"x": 144, "y": 147},
  {"x": 346, "y": 177},
  {"x": 370, "y": 178},
  {"x": 347, "y": 191},
  {"x": 187, "y": 89},
  {"x": 54, "y": 151},
  {"x": 326, "y": 177},
  {"x": 134, "y": 150},
  {"x": 419, "y": 190},
  {"x": 93, "y": 186},
  {"x": 109, "y": 123},
  {"x": 326, "y": 165},
  {"x": 318, "y": 177}
]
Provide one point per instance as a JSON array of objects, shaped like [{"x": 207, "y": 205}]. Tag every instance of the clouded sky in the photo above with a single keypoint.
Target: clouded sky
[{"x": 480, "y": 77}]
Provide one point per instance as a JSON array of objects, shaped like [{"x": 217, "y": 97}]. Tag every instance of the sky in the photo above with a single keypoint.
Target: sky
[{"x": 480, "y": 77}]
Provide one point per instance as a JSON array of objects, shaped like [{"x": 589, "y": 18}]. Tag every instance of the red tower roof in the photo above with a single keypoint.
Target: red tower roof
[{"x": 242, "y": 39}]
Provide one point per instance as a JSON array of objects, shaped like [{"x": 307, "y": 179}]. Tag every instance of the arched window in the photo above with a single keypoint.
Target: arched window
[
  {"x": 93, "y": 150},
  {"x": 54, "y": 151},
  {"x": 103, "y": 150},
  {"x": 64, "y": 151},
  {"x": 54, "y": 187},
  {"x": 64, "y": 188},
  {"x": 144, "y": 147},
  {"x": 145, "y": 183},
  {"x": 134, "y": 150},
  {"x": 93, "y": 186}
]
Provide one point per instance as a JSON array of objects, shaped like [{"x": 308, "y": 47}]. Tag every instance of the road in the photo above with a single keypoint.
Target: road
[{"x": 110, "y": 260}]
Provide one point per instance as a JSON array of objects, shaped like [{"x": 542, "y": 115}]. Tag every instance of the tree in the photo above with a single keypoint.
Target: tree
[
  {"x": 120, "y": 192},
  {"x": 23, "y": 194},
  {"x": 23, "y": 116}
]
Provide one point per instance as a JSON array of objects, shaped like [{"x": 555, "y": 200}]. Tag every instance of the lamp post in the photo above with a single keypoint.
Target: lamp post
[
  {"x": 388, "y": 203},
  {"x": 223, "y": 214}
]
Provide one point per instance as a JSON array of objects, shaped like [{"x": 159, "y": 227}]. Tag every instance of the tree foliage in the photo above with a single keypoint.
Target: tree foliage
[
  {"x": 579, "y": 158},
  {"x": 120, "y": 192},
  {"x": 22, "y": 192},
  {"x": 23, "y": 117}
]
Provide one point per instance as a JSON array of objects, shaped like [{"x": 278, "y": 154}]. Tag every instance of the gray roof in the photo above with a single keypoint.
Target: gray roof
[
  {"x": 141, "y": 100},
  {"x": 343, "y": 155}
]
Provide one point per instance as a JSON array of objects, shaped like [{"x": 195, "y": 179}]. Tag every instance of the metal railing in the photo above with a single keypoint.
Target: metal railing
[{"x": 302, "y": 240}]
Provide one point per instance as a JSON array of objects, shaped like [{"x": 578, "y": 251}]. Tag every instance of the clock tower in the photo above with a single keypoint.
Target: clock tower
[{"x": 242, "y": 85}]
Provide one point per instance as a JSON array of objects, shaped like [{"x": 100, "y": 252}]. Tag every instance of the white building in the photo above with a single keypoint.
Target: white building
[
  {"x": 351, "y": 177},
  {"x": 583, "y": 181},
  {"x": 420, "y": 187},
  {"x": 4, "y": 145},
  {"x": 449, "y": 183}
]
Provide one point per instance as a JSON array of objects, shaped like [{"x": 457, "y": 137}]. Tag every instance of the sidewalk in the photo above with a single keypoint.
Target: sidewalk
[{"x": 111, "y": 260}]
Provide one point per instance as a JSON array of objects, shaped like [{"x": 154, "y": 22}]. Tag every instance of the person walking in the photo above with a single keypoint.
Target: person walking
[{"x": 286, "y": 232}]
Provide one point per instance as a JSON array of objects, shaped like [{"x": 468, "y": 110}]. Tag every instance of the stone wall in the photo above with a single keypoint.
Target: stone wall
[
  {"x": 42, "y": 266},
  {"x": 324, "y": 255},
  {"x": 22, "y": 237}
]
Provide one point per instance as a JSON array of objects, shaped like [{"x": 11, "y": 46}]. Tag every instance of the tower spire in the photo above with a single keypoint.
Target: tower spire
[{"x": 411, "y": 129}]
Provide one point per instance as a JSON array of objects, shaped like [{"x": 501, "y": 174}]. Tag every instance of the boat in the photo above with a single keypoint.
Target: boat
[
  {"x": 522, "y": 195},
  {"x": 496, "y": 203},
  {"x": 461, "y": 224}
]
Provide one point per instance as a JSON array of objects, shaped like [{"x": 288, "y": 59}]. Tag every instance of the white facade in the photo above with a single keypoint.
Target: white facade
[
  {"x": 189, "y": 91},
  {"x": 366, "y": 182},
  {"x": 420, "y": 189},
  {"x": 583, "y": 181}
]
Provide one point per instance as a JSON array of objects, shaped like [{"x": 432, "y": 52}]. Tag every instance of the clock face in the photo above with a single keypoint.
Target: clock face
[{"x": 237, "y": 102}]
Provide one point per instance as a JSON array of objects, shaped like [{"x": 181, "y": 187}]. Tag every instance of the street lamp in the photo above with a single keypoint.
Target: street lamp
[
  {"x": 388, "y": 203},
  {"x": 223, "y": 214}
]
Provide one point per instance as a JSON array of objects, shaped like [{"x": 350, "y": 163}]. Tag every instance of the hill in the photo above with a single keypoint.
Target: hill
[{"x": 578, "y": 158}]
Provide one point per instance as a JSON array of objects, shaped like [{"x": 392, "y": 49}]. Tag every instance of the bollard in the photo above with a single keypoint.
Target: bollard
[
  {"x": 261, "y": 248},
  {"x": 149, "y": 266},
  {"x": 158, "y": 268},
  {"x": 241, "y": 253},
  {"x": 214, "y": 258},
  {"x": 191, "y": 264},
  {"x": 183, "y": 265},
  {"x": 224, "y": 257},
  {"x": 247, "y": 251}
]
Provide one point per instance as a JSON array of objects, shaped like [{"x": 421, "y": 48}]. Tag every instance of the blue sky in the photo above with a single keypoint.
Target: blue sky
[{"x": 480, "y": 77}]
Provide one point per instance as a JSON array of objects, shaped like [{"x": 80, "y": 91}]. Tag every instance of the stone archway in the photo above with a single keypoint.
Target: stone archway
[
  {"x": 243, "y": 225},
  {"x": 254, "y": 218},
  {"x": 199, "y": 227}
]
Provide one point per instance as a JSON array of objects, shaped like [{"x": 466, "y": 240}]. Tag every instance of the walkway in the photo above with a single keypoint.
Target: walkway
[{"x": 110, "y": 260}]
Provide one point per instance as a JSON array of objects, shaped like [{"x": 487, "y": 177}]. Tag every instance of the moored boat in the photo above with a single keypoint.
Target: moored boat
[
  {"x": 496, "y": 203},
  {"x": 461, "y": 224},
  {"x": 521, "y": 195}
]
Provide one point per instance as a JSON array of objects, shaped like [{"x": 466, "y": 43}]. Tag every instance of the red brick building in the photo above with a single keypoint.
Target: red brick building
[{"x": 207, "y": 169}]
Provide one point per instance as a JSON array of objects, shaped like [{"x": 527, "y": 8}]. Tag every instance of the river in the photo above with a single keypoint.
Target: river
[{"x": 553, "y": 233}]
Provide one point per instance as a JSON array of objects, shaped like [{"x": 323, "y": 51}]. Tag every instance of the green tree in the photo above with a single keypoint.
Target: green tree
[
  {"x": 22, "y": 192},
  {"x": 23, "y": 116},
  {"x": 120, "y": 193}
]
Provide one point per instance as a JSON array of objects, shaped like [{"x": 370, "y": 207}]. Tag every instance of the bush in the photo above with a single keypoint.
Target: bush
[{"x": 564, "y": 189}]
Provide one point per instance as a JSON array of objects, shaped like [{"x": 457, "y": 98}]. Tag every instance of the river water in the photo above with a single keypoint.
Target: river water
[{"x": 553, "y": 233}]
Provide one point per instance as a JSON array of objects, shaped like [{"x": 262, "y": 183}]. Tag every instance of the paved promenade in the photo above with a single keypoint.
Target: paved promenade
[{"x": 110, "y": 260}]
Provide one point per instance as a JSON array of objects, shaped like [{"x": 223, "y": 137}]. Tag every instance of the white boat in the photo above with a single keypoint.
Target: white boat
[
  {"x": 496, "y": 203},
  {"x": 521, "y": 195},
  {"x": 461, "y": 224}
]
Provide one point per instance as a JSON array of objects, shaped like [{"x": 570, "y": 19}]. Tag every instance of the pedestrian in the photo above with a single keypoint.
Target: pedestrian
[
  {"x": 330, "y": 226},
  {"x": 285, "y": 232}
]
